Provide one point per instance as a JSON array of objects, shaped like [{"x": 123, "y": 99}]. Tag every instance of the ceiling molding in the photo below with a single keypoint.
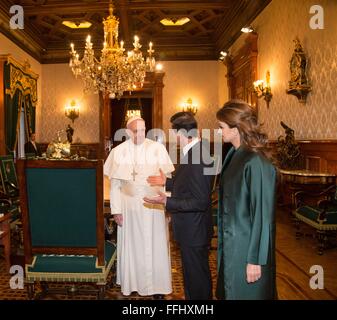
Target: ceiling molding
[
  {"x": 213, "y": 26},
  {"x": 72, "y": 7},
  {"x": 21, "y": 38},
  {"x": 244, "y": 14}
]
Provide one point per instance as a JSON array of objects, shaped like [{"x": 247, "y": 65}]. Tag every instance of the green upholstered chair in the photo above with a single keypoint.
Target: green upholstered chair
[
  {"x": 318, "y": 210},
  {"x": 63, "y": 223}
]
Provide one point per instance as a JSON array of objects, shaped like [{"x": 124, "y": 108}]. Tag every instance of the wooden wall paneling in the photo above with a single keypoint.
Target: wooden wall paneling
[
  {"x": 2, "y": 107},
  {"x": 242, "y": 71},
  {"x": 153, "y": 85},
  {"x": 318, "y": 155}
]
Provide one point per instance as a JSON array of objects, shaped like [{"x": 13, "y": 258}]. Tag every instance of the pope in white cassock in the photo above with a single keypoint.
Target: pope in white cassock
[{"x": 143, "y": 257}]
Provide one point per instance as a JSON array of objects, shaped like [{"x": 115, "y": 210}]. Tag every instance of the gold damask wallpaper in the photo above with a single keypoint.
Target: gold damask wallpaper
[
  {"x": 58, "y": 89},
  {"x": 277, "y": 26},
  {"x": 198, "y": 80}
]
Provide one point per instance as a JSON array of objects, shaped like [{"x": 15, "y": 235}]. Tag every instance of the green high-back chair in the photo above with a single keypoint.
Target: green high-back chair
[{"x": 63, "y": 223}]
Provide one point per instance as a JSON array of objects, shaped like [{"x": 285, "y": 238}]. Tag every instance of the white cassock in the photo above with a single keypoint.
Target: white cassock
[{"x": 143, "y": 256}]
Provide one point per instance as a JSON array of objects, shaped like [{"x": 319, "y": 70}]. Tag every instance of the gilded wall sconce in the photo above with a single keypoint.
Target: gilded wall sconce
[
  {"x": 72, "y": 111},
  {"x": 263, "y": 89},
  {"x": 299, "y": 84},
  {"x": 190, "y": 107}
]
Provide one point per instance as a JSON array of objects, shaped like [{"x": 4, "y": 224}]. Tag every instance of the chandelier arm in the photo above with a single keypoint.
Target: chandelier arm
[{"x": 116, "y": 71}]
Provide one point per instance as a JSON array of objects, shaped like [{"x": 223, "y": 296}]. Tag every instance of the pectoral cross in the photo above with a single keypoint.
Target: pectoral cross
[{"x": 134, "y": 173}]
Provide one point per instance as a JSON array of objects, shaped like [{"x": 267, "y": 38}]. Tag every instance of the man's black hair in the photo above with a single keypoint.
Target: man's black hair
[{"x": 185, "y": 121}]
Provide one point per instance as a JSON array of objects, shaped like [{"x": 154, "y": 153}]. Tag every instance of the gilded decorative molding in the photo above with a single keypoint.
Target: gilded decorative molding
[
  {"x": 21, "y": 77},
  {"x": 22, "y": 81}
]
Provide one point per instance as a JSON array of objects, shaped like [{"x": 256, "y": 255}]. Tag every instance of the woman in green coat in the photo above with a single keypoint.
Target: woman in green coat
[{"x": 246, "y": 215}]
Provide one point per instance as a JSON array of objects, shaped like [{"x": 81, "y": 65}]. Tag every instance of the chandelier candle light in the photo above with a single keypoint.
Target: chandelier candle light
[
  {"x": 189, "y": 106},
  {"x": 263, "y": 89},
  {"x": 115, "y": 72}
]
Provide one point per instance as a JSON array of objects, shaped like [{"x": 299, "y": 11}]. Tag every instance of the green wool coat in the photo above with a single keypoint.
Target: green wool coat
[{"x": 246, "y": 225}]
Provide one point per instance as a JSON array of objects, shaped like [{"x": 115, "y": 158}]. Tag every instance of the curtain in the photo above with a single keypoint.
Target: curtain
[
  {"x": 20, "y": 88},
  {"x": 30, "y": 114},
  {"x": 12, "y": 111}
]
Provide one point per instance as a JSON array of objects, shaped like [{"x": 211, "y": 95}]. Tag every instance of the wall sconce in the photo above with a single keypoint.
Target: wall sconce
[
  {"x": 263, "y": 89},
  {"x": 188, "y": 106},
  {"x": 72, "y": 111}
]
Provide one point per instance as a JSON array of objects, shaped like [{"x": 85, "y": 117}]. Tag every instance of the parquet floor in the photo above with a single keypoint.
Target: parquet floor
[{"x": 294, "y": 259}]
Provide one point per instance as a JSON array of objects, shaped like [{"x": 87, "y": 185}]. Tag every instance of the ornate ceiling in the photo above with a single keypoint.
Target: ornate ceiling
[{"x": 213, "y": 26}]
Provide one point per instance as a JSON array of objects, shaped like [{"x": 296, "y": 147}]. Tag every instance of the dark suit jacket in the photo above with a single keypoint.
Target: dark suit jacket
[
  {"x": 190, "y": 201},
  {"x": 29, "y": 148}
]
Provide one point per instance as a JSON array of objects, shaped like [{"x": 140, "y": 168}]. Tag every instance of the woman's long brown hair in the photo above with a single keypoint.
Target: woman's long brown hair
[{"x": 239, "y": 114}]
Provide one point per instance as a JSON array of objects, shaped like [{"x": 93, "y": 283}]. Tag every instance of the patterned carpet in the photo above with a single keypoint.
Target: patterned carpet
[{"x": 294, "y": 259}]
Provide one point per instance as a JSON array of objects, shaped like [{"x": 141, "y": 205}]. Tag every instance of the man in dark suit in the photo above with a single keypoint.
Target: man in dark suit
[
  {"x": 190, "y": 206},
  {"x": 32, "y": 147}
]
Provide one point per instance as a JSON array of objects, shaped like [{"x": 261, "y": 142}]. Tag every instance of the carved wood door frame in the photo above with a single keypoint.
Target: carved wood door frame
[
  {"x": 242, "y": 71},
  {"x": 154, "y": 84}
]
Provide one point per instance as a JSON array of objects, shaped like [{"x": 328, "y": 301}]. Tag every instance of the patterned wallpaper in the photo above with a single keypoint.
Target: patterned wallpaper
[
  {"x": 58, "y": 89},
  {"x": 198, "y": 80},
  {"x": 205, "y": 82},
  {"x": 277, "y": 26}
]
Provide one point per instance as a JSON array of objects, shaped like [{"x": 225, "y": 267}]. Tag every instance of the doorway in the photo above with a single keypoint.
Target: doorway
[{"x": 119, "y": 113}]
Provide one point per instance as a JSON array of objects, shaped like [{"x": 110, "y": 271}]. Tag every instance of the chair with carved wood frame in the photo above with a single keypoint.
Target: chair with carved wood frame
[
  {"x": 9, "y": 188},
  {"x": 63, "y": 221},
  {"x": 317, "y": 210}
]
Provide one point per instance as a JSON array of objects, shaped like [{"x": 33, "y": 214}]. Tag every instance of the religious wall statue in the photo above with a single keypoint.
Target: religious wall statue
[
  {"x": 299, "y": 84},
  {"x": 288, "y": 150}
]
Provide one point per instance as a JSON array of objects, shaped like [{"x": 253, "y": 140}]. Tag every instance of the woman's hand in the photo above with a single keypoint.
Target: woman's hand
[
  {"x": 118, "y": 219},
  {"x": 157, "y": 180},
  {"x": 253, "y": 272}
]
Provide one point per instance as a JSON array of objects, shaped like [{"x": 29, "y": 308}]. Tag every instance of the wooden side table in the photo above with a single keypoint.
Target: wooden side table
[{"x": 307, "y": 180}]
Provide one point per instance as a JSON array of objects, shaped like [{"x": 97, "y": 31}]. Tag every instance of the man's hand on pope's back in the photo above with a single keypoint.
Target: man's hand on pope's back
[
  {"x": 118, "y": 219},
  {"x": 157, "y": 180},
  {"x": 160, "y": 199}
]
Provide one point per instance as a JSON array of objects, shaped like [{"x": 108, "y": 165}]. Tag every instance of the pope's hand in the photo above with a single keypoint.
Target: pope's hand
[
  {"x": 253, "y": 272},
  {"x": 157, "y": 180},
  {"x": 118, "y": 219},
  {"x": 160, "y": 199}
]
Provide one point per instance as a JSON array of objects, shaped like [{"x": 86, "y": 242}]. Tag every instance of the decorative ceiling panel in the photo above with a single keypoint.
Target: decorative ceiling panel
[{"x": 211, "y": 27}]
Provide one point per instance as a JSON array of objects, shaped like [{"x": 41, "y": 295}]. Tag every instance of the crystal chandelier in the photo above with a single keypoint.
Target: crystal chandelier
[{"x": 115, "y": 72}]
